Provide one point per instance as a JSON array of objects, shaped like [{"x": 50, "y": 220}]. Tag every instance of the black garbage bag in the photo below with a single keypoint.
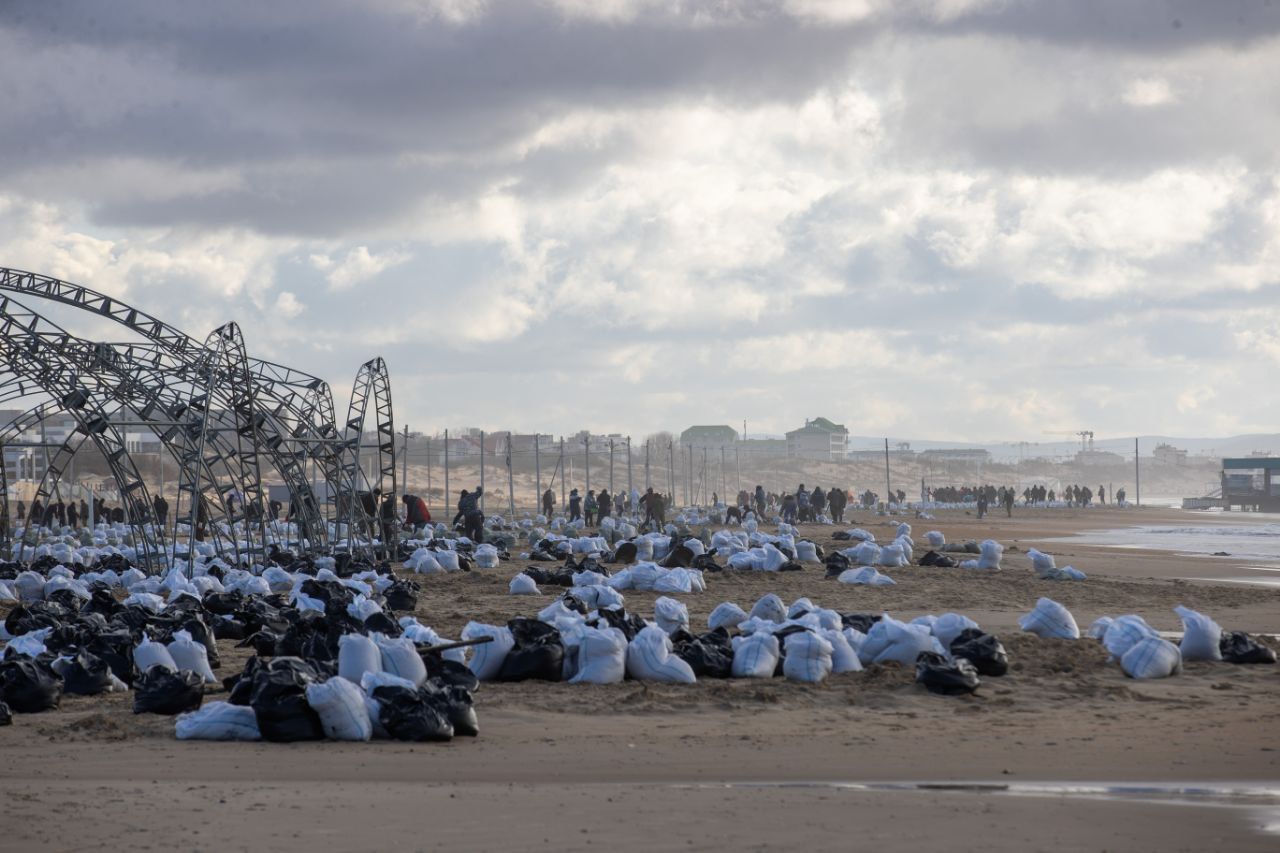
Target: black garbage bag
[
  {"x": 86, "y": 674},
  {"x": 791, "y": 566},
  {"x": 859, "y": 621},
  {"x": 263, "y": 642},
  {"x": 628, "y": 624},
  {"x": 679, "y": 557},
  {"x": 66, "y": 598},
  {"x": 457, "y": 705},
  {"x": 1239, "y": 647},
  {"x": 412, "y": 715},
  {"x": 949, "y": 678},
  {"x": 984, "y": 651},
  {"x": 29, "y": 687},
  {"x": 449, "y": 673},
  {"x": 538, "y": 653},
  {"x": 402, "y": 595},
  {"x": 102, "y": 601},
  {"x": 706, "y": 562},
  {"x": 228, "y": 628},
  {"x": 224, "y": 603},
  {"x": 279, "y": 701},
  {"x": 383, "y": 624},
  {"x": 836, "y": 563},
  {"x": 6, "y": 716},
  {"x": 933, "y": 558},
  {"x": 625, "y": 553},
  {"x": 577, "y": 605},
  {"x": 159, "y": 690},
  {"x": 116, "y": 649},
  {"x": 709, "y": 656}
]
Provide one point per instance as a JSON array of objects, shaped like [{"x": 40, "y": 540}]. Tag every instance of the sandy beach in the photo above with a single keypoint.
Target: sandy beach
[{"x": 741, "y": 764}]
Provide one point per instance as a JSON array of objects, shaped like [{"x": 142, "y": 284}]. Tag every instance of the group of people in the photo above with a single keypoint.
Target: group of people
[
  {"x": 986, "y": 496},
  {"x": 62, "y": 513}
]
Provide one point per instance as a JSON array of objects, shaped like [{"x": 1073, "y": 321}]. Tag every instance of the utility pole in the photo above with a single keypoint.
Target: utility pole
[
  {"x": 537, "y": 473},
  {"x": 563, "y": 505},
  {"x": 404, "y": 468},
  {"x": 611, "y": 465},
  {"x": 482, "y": 496},
  {"x": 630, "y": 488},
  {"x": 648, "y": 479},
  {"x": 671, "y": 468},
  {"x": 586, "y": 445},
  {"x": 511, "y": 479},
  {"x": 888, "y": 489},
  {"x": 447, "y": 493}
]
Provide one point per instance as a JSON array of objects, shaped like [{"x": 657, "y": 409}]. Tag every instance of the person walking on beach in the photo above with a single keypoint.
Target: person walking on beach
[
  {"x": 790, "y": 508},
  {"x": 160, "y": 507},
  {"x": 604, "y": 504},
  {"x": 760, "y": 502},
  {"x": 982, "y": 503},
  {"x": 802, "y": 503},
  {"x": 575, "y": 505},
  {"x": 1102, "y": 496},
  {"x": 591, "y": 508},
  {"x": 1008, "y": 503},
  {"x": 472, "y": 517},
  {"x": 548, "y": 502}
]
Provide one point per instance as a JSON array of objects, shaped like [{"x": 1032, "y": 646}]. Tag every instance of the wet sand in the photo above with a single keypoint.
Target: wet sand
[{"x": 560, "y": 766}]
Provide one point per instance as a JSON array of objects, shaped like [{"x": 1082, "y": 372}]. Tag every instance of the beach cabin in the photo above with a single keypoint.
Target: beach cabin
[{"x": 1251, "y": 483}]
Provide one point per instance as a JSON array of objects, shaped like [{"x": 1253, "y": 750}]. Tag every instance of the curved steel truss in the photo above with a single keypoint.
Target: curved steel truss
[{"x": 233, "y": 425}]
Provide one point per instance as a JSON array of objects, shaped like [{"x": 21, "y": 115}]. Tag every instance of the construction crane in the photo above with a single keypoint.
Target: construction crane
[{"x": 1086, "y": 437}]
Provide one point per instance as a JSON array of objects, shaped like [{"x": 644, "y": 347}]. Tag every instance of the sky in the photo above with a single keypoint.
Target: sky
[{"x": 961, "y": 220}]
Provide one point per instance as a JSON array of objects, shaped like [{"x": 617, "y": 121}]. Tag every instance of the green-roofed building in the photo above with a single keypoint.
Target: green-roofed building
[
  {"x": 819, "y": 438},
  {"x": 709, "y": 437}
]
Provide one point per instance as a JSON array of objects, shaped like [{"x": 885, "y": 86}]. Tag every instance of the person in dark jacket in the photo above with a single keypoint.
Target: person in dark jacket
[
  {"x": 461, "y": 514},
  {"x": 472, "y": 517},
  {"x": 604, "y": 505},
  {"x": 837, "y": 500},
  {"x": 575, "y": 505},
  {"x": 548, "y": 502},
  {"x": 160, "y": 507},
  {"x": 73, "y": 517}
]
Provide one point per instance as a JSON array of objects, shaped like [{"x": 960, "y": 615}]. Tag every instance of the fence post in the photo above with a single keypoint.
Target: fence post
[
  {"x": 482, "y": 495},
  {"x": 537, "y": 474},
  {"x": 447, "y": 493}
]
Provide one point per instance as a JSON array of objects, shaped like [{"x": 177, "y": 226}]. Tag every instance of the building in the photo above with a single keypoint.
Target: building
[
  {"x": 956, "y": 456},
  {"x": 1252, "y": 482},
  {"x": 1170, "y": 455},
  {"x": 709, "y": 437},
  {"x": 757, "y": 447},
  {"x": 818, "y": 439},
  {"x": 25, "y": 453}
]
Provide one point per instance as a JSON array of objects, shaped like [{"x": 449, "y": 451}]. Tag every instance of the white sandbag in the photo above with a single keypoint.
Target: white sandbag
[
  {"x": 371, "y": 681},
  {"x": 486, "y": 659},
  {"x": 773, "y": 558},
  {"x": 1041, "y": 562},
  {"x": 486, "y": 556},
  {"x": 357, "y": 654},
  {"x": 903, "y": 642},
  {"x": 522, "y": 584},
  {"x": 806, "y": 551},
  {"x": 29, "y": 586},
  {"x": 148, "y": 654},
  {"x": 1126, "y": 632},
  {"x": 1152, "y": 658},
  {"x": 218, "y": 721},
  {"x": 671, "y": 615},
  {"x": 949, "y": 625},
  {"x": 602, "y": 656},
  {"x": 864, "y": 554},
  {"x": 990, "y": 553},
  {"x": 865, "y": 576},
  {"x": 726, "y": 615},
  {"x": 892, "y": 556},
  {"x": 362, "y": 608},
  {"x": 649, "y": 658},
  {"x": 741, "y": 561},
  {"x": 673, "y": 580},
  {"x": 1099, "y": 627},
  {"x": 30, "y": 644},
  {"x": 340, "y": 706},
  {"x": 808, "y": 657},
  {"x": 799, "y": 607},
  {"x": 448, "y": 561},
  {"x": 769, "y": 607},
  {"x": 424, "y": 562},
  {"x": 755, "y": 656},
  {"x": 1200, "y": 635},
  {"x": 1050, "y": 620},
  {"x": 935, "y": 539},
  {"x": 400, "y": 657},
  {"x": 147, "y": 600},
  {"x": 189, "y": 655},
  {"x": 278, "y": 579},
  {"x": 844, "y": 658}
]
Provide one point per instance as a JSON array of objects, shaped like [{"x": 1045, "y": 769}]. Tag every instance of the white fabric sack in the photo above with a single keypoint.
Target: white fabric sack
[
  {"x": 1152, "y": 658},
  {"x": 769, "y": 607},
  {"x": 755, "y": 656},
  {"x": 486, "y": 659},
  {"x": 989, "y": 558},
  {"x": 148, "y": 654},
  {"x": 949, "y": 625},
  {"x": 448, "y": 560},
  {"x": 400, "y": 658},
  {"x": 905, "y": 642},
  {"x": 357, "y": 654},
  {"x": 189, "y": 655},
  {"x": 891, "y": 556},
  {"x": 844, "y": 658},
  {"x": 1200, "y": 635},
  {"x": 362, "y": 608},
  {"x": 808, "y": 657},
  {"x": 1041, "y": 562},
  {"x": 649, "y": 658},
  {"x": 1126, "y": 632},
  {"x": 671, "y": 615},
  {"x": 522, "y": 584},
  {"x": 486, "y": 556},
  {"x": 1099, "y": 627},
  {"x": 218, "y": 721},
  {"x": 865, "y": 576},
  {"x": 726, "y": 615},
  {"x": 371, "y": 681},
  {"x": 935, "y": 539},
  {"x": 1050, "y": 620},
  {"x": 806, "y": 551},
  {"x": 340, "y": 706},
  {"x": 865, "y": 554},
  {"x": 602, "y": 656}
]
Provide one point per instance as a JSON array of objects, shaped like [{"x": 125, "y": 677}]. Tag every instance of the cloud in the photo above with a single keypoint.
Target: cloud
[
  {"x": 357, "y": 267},
  {"x": 287, "y": 305}
]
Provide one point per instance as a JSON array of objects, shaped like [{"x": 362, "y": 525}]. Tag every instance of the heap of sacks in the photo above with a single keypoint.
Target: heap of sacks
[
  {"x": 579, "y": 642},
  {"x": 309, "y": 628},
  {"x": 1139, "y": 648}
]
